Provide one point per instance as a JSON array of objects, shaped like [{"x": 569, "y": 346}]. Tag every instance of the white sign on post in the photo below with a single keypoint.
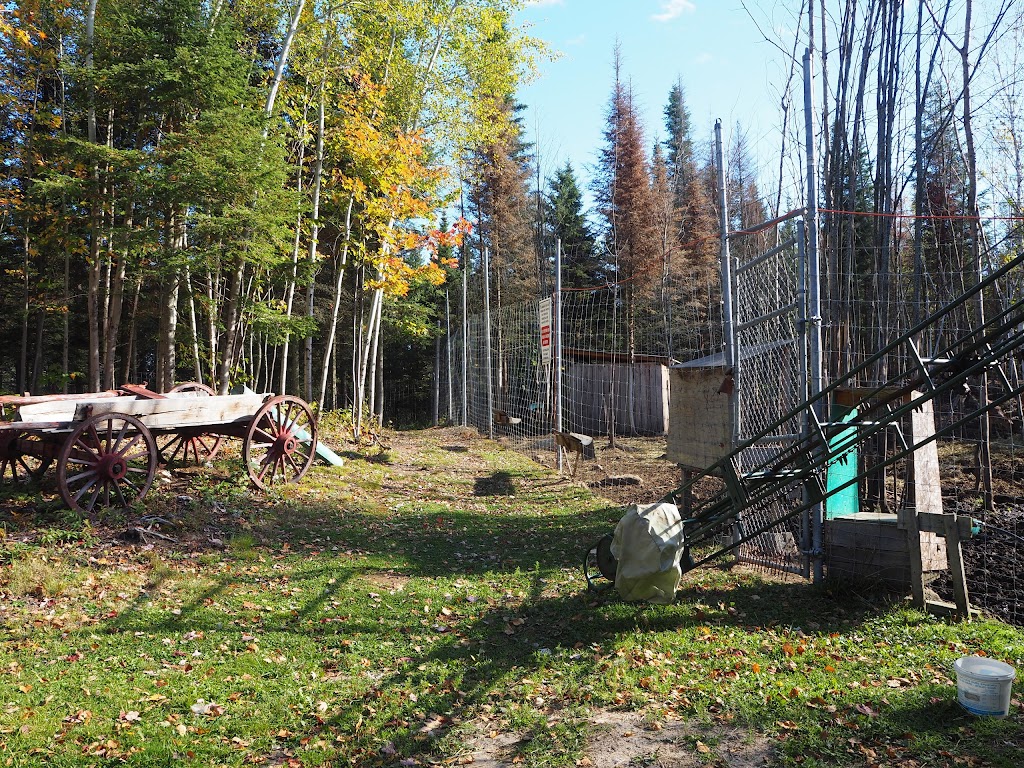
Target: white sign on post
[{"x": 546, "y": 333}]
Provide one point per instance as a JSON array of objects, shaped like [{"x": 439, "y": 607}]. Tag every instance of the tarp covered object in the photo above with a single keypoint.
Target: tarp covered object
[{"x": 648, "y": 544}]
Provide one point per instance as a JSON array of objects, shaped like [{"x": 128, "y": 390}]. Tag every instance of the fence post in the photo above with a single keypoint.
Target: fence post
[
  {"x": 465, "y": 340},
  {"x": 557, "y": 357},
  {"x": 435, "y": 400},
  {"x": 728, "y": 332},
  {"x": 448, "y": 350},
  {"x": 487, "y": 344},
  {"x": 814, "y": 296}
]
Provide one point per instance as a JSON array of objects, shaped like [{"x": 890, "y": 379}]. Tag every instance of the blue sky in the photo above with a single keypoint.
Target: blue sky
[{"x": 713, "y": 47}]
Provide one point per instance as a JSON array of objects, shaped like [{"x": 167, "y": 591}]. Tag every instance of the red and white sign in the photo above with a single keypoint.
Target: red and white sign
[{"x": 546, "y": 333}]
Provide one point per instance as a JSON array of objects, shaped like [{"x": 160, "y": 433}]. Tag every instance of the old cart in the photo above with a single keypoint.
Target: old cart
[{"x": 107, "y": 445}]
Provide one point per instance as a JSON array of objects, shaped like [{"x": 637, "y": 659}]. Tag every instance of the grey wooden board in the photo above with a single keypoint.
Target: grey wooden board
[
  {"x": 924, "y": 465},
  {"x": 169, "y": 413}
]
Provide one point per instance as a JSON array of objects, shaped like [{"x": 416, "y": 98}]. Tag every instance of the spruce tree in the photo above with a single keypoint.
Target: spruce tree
[{"x": 581, "y": 265}]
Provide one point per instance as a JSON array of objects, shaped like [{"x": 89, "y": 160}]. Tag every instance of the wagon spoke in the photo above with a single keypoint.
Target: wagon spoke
[
  {"x": 23, "y": 464},
  {"x": 134, "y": 442},
  {"x": 80, "y": 475},
  {"x": 292, "y": 462},
  {"x": 117, "y": 487},
  {"x": 265, "y": 437},
  {"x": 92, "y": 499},
  {"x": 85, "y": 447},
  {"x": 120, "y": 436},
  {"x": 85, "y": 487}
]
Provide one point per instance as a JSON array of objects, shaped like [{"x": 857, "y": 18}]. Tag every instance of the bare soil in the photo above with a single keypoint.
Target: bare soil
[{"x": 618, "y": 739}]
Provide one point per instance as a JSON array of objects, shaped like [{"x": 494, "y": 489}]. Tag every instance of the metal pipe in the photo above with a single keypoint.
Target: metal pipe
[
  {"x": 814, "y": 298},
  {"x": 558, "y": 345},
  {"x": 487, "y": 344},
  {"x": 728, "y": 311},
  {"x": 465, "y": 340}
]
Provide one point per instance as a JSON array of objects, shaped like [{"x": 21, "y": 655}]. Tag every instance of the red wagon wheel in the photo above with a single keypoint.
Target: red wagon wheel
[
  {"x": 280, "y": 443},
  {"x": 15, "y": 464},
  {"x": 109, "y": 459},
  {"x": 189, "y": 446}
]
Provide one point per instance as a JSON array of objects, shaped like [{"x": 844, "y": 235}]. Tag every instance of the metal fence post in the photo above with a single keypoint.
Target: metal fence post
[
  {"x": 487, "y": 344},
  {"x": 557, "y": 357},
  {"x": 814, "y": 297},
  {"x": 465, "y": 342}
]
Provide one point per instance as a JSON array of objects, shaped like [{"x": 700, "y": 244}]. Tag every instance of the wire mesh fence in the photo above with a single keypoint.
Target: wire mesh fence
[
  {"x": 624, "y": 381},
  {"x": 875, "y": 294}
]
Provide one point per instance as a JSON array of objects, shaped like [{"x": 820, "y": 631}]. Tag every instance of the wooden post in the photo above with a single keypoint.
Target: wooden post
[
  {"x": 687, "y": 493},
  {"x": 908, "y": 520},
  {"x": 956, "y": 566}
]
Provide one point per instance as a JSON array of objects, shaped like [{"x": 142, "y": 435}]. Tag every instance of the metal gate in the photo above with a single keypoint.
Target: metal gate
[{"x": 770, "y": 379}]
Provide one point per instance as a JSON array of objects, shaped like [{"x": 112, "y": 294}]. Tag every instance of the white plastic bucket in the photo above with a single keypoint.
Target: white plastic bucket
[{"x": 983, "y": 685}]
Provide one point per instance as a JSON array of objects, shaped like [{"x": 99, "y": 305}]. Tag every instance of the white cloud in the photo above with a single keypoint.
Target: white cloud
[{"x": 671, "y": 9}]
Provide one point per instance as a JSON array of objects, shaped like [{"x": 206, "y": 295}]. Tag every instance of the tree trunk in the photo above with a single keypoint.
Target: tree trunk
[
  {"x": 94, "y": 214},
  {"x": 197, "y": 359},
  {"x": 115, "y": 308},
  {"x": 296, "y": 245},
  {"x": 336, "y": 306},
  {"x": 985, "y": 452},
  {"x": 313, "y": 237}
]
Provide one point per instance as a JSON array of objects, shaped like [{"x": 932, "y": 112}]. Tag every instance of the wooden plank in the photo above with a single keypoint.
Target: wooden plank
[
  {"x": 956, "y": 566},
  {"x": 60, "y": 411},
  {"x": 925, "y": 479},
  {"x": 140, "y": 391},
  {"x": 942, "y": 608},
  {"x": 174, "y": 413},
  {"x": 19, "y": 400},
  {"x": 929, "y": 522},
  {"x": 33, "y": 426}
]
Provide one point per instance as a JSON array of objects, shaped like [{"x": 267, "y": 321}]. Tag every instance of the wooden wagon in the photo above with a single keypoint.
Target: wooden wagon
[{"x": 107, "y": 445}]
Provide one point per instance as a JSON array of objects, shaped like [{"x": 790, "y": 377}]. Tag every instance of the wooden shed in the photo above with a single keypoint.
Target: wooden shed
[{"x": 601, "y": 387}]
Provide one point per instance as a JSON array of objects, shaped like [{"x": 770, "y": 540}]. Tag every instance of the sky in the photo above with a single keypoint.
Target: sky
[{"x": 713, "y": 47}]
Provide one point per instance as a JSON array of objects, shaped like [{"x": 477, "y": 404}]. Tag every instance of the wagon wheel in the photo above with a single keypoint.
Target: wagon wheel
[
  {"x": 188, "y": 446},
  {"x": 109, "y": 459},
  {"x": 15, "y": 463},
  {"x": 280, "y": 442}
]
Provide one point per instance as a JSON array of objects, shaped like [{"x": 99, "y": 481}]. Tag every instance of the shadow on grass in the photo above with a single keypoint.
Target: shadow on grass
[{"x": 498, "y": 484}]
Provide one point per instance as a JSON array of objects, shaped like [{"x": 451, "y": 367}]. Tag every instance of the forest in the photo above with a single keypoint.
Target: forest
[{"x": 289, "y": 195}]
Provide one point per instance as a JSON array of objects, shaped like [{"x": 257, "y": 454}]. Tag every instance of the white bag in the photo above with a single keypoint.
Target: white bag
[{"x": 648, "y": 544}]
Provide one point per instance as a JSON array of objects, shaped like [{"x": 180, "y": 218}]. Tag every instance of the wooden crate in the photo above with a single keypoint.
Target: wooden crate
[{"x": 871, "y": 547}]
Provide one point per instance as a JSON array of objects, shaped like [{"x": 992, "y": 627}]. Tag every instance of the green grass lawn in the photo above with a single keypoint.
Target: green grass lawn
[{"x": 423, "y": 600}]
